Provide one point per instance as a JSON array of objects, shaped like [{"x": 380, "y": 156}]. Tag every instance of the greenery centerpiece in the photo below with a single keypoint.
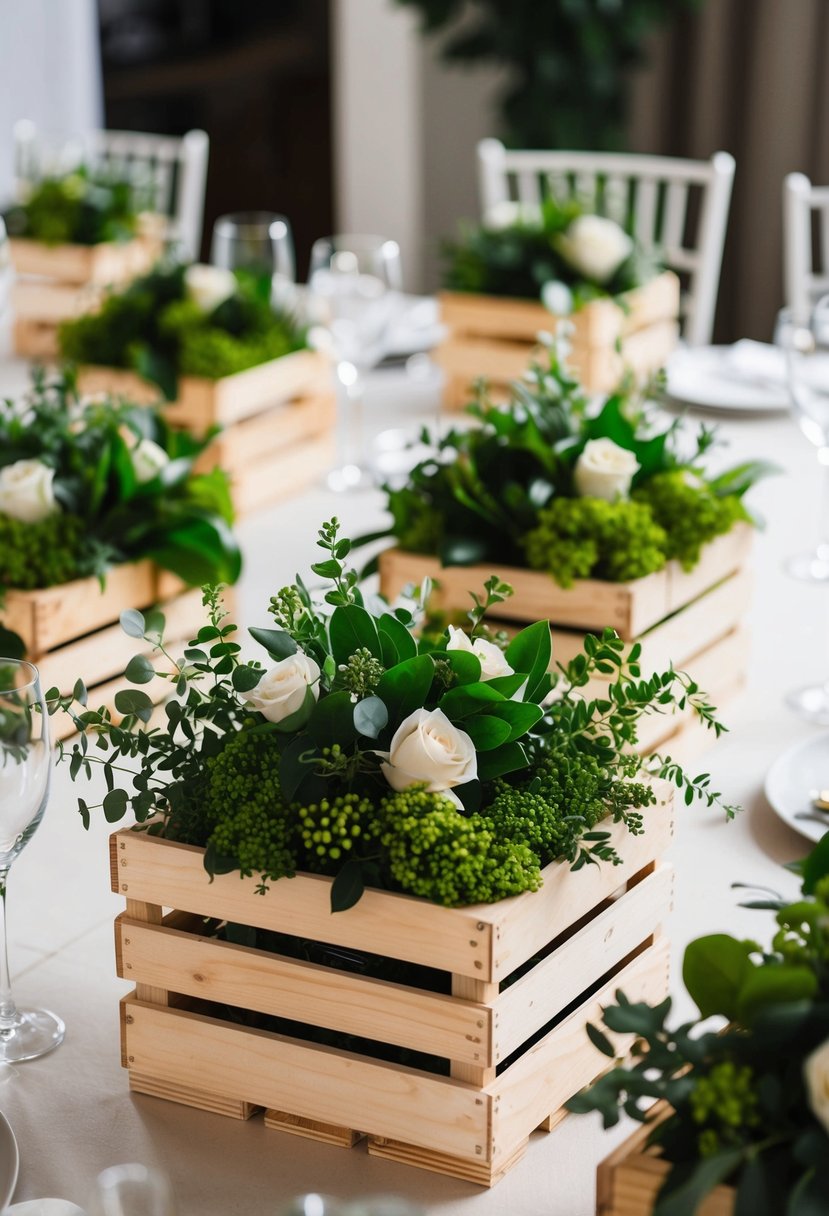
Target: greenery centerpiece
[
  {"x": 84, "y": 207},
  {"x": 559, "y": 251},
  {"x": 551, "y": 484},
  {"x": 86, "y": 484},
  {"x": 180, "y": 320},
  {"x": 749, "y": 1105},
  {"x": 444, "y": 766}
]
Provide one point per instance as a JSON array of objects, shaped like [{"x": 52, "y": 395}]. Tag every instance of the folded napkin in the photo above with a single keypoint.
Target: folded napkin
[{"x": 758, "y": 361}]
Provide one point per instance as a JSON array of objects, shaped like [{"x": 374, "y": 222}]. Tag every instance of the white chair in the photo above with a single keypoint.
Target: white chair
[
  {"x": 172, "y": 169},
  {"x": 651, "y": 196},
  {"x": 806, "y": 277}
]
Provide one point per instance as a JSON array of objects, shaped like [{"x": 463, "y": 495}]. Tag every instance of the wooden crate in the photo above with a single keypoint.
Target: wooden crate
[
  {"x": 277, "y": 421},
  {"x": 512, "y": 1053},
  {"x": 493, "y": 337},
  {"x": 629, "y": 1180},
  {"x": 73, "y": 630},
  {"x": 56, "y": 282},
  {"x": 693, "y": 620}
]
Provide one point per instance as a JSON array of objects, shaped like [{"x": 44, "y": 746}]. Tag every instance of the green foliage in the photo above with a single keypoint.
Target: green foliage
[
  {"x": 152, "y": 327},
  {"x": 518, "y": 259},
  {"x": 584, "y": 537},
  {"x": 503, "y": 490},
  {"x": 269, "y": 789},
  {"x": 689, "y": 512},
  {"x": 103, "y": 514},
  {"x": 568, "y": 62},
  {"x": 84, "y": 207},
  {"x": 741, "y": 1107}
]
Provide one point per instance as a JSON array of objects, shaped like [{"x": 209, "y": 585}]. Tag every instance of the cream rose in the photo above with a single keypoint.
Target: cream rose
[
  {"x": 26, "y": 491},
  {"x": 427, "y": 749},
  {"x": 816, "y": 1074},
  {"x": 604, "y": 470},
  {"x": 557, "y": 298},
  {"x": 491, "y": 657},
  {"x": 281, "y": 691},
  {"x": 148, "y": 459},
  {"x": 595, "y": 247},
  {"x": 209, "y": 286}
]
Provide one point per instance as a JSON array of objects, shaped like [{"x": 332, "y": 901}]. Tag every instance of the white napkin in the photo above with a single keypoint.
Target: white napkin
[
  {"x": 44, "y": 1207},
  {"x": 758, "y": 361}
]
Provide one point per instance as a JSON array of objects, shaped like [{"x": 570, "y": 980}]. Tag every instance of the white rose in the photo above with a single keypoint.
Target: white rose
[
  {"x": 427, "y": 749},
  {"x": 209, "y": 286},
  {"x": 508, "y": 214},
  {"x": 148, "y": 459},
  {"x": 26, "y": 491},
  {"x": 557, "y": 298},
  {"x": 491, "y": 657},
  {"x": 281, "y": 691},
  {"x": 816, "y": 1074},
  {"x": 595, "y": 246},
  {"x": 604, "y": 470}
]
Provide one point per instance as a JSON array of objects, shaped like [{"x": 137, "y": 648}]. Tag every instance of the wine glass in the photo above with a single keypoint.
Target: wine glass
[
  {"x": 353, "y": 292},
  {"x": 806, "y": 344},
  {"x": 259, "y": 244},
  {"x": 25, "y": 769},
  {"x": 132, "y": 1190}
]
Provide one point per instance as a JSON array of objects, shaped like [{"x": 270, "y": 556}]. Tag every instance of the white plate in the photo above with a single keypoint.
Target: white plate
[
  {"x": 9, "y": 1162},
  {"x": 711, "y": 378},
  {"x": 793, "y": 780}
]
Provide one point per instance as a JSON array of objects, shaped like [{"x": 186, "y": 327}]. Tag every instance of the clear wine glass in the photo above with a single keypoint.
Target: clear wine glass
[
  {"x": 259, "y": 244},
  {"x": 132, "y": 1190},
  {"x": 354, "y": 286},
  {"x": 806, "y": 344},
  {"x": 25, "y": 770}
]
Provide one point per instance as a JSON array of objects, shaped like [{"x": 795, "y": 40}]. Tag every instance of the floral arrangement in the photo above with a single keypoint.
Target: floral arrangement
[
  {"x": 750, "y": 1105},
  {"x": 86, "y": 484},
  {"x": 439, "y": 766},
  {"x": 558, "y": 251},
  {"x": 183, "y": 321},
  {"x": 546, "y": 483},
  {"x": 83, "y": 207}
]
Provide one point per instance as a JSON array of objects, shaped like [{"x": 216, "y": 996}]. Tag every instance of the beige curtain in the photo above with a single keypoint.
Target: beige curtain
[{"x": 750, "y": 77}]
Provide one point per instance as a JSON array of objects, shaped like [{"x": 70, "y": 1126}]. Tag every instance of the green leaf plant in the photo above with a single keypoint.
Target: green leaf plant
[{"x": 361, "y": 750}]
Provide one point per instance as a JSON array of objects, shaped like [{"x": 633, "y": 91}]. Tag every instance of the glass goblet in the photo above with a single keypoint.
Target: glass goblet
[
  {"x": 258, "y": 245},
  {"x": 353, "y": 292},
  {"x": 25, "y": 770}
]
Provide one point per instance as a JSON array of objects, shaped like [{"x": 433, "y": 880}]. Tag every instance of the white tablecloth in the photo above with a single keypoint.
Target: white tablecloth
[{"x": 72, "y": 1111}]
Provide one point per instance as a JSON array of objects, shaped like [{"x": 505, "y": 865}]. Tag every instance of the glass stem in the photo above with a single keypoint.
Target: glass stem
[
  {"x": 823, "y": 535},
  {"x": 8, "y": 1011},
  {"x": 350, "y": 439}
]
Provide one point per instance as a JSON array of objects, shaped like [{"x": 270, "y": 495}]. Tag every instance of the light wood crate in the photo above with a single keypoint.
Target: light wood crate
[
  {"x": 493, "y": 337},
  {"x": 512, "y": 1053},
  {"x": 629, "y": 1180},
  {"x": 691, "y": 619},
  {"x": 73, "y": 630},
  {"x": 56, "y": 282},
  {"x": 277, "y": 421}
]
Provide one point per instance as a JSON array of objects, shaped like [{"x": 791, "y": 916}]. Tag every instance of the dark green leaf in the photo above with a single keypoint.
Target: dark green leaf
[
  {"x": 462, "y": 702},
  {"x": 350, "y": 629},
  {"x": 530, "y": 652},
  {"x": 769, "y": 986},
  {"x": 277, "y": 642},
  {"x": 245, "y": 678},
  {"x": 133, "y": 701},
  {"x": 404, "y": 688},
  {"x": 139, "y": 670},
  {"x": 506, "y": 759},
  {"x": 115, "y": 805},
  {"x": 347, "y": 888},
  {"x": 399, "y": 635},
  {"x": 486, "y": 732},
  {"x": 714, "y": 971},
  {"x": 332, "y": 720}
]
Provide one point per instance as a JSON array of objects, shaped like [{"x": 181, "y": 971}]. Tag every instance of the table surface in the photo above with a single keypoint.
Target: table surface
[{"x": 72, "y": 1111}]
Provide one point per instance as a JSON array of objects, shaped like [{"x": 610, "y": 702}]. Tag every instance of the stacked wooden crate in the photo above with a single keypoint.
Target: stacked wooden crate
[
  {"x": 73, "y": 629},
  {"x": 276, "y": 421},
  {"x": 493, "y": 337},
  {"x": 504, "y": 1027},
  {"x": 56, "y": 282},
  {"x": 691, "y": 619}
]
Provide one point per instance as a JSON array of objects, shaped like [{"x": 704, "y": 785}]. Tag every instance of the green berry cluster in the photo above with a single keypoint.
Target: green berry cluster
[
  {"x": 330, "y": 829},
  {"x": 42, "y": 554},
  {"x": 688, "y": 512},
  {"x": 245, "y": 808},
  {"x": 551, "y": 812},
  {"x": 725, "y": 1104},
  {"x": 434, "y": 851},
  {"x": 584, "y": 537},
  {"x": 361, "y": 674}
]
